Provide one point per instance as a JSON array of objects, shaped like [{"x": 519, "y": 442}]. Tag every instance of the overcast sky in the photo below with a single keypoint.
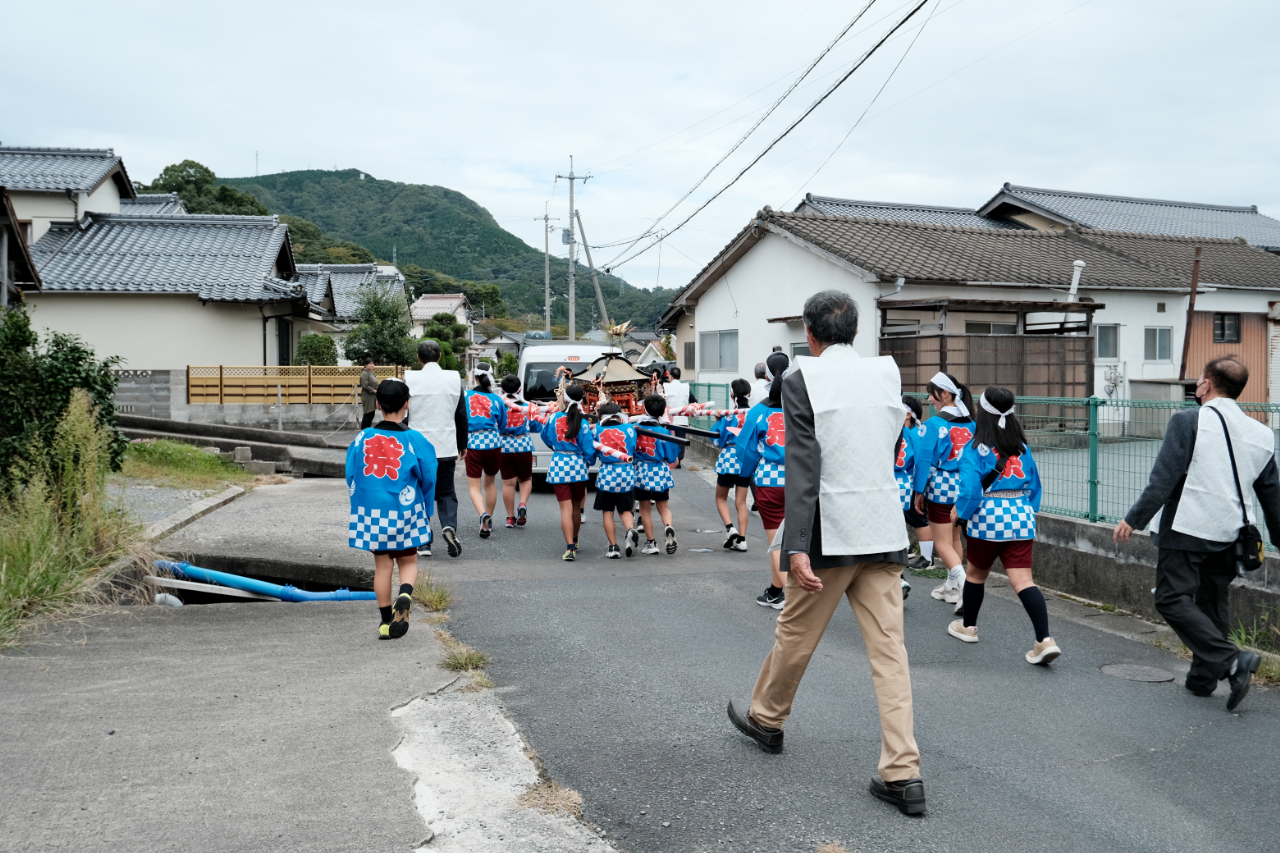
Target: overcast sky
[{"x": 1154, "y": 98}]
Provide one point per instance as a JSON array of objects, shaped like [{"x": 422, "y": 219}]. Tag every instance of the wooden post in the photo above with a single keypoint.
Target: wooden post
[
  {"x": 189, "y": 393},
  {"x": 220, "y": 388},
  {"x": 1191, "y": 307},
  {"x": 309, "y": 390}
]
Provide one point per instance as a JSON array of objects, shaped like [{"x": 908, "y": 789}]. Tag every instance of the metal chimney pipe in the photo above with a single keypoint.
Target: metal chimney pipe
[{"x": 1075, "y": 277}]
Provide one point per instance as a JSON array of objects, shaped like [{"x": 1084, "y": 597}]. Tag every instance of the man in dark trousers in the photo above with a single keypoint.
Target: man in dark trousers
[
  {"x": 368, "y": 393},
  {"x": 843, "y": 537},
  {"x": 1194, "y": 492},
  {"x": 437, "y": 409}
]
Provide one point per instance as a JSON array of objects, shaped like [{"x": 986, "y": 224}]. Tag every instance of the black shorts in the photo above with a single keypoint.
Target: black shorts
[
  {"x": 397, "y": 554},
  {"x": 733, "y": 481},
  {"x": 488, "y": 461},
  {"x": 516, "y": 466},
  {"x": 610, "y": 501},
  {"x": 915, "y": 519},
  {"x": 646, "y": 495}
]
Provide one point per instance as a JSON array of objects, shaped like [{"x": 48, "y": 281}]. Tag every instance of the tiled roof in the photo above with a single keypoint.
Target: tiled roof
[
  {"x": 1150, "y": 216},
  {"x": 346, "y": 281},
  {"x": 642, "y": 335},
  {"x": 55, "y": 169},
  {"x": 217, "y": 258},
  {"x": 1231, "y": 263},
  {"x": 429, "y": 304},
  {"x": 164, "y": 204},
  {"x": 900, "y": 212}
]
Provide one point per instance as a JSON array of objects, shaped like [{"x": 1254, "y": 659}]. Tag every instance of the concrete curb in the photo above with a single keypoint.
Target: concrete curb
[{"x": 183, "y": 517}]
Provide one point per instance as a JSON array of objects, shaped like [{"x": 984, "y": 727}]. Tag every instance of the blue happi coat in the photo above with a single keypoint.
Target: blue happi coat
[
  {"x": 653, "y": 456},
  {"x": 762, "y": 446},
  {"x": 513, "y": 431},
  {"x": 727, "y": 462},
  {"x": 1006, "y": 509},
  {"x": 940, "y": 445},
  {"x": 570, "y": 458},
  {"x": 614, "y": 474},
  {"x": 485, "y": 411},
  {"x": 391, "y": 478},
  {"x": 904, "y": 466}
]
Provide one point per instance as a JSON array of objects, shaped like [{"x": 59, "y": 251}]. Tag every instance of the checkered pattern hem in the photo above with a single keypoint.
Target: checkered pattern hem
[
  {"x": 654, "y": 476},
  {"x": 388, "y": 529},
  {"x": 566, "y": 468},
  {"x": 770, "y": 474},
  {"x": 944, "y": 486},
  {"x": 616, "y": 477},
  {"x": 517, "y": 443},
  {"x": 728, "y": 462},
  {"x": 1003, "y": 520},
  {"x": 486, "y": 439},
  {"x": 904, "y": 488}
]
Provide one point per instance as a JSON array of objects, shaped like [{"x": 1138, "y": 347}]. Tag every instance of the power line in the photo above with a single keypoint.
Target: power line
[{"x": 784, "y": 133}]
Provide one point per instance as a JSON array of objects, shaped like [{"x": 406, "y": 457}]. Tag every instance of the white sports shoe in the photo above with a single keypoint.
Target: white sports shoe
[
  {"x": 730, "y": 537},
  {"x": 939, "y": 592},
  {"x": 651, "y": 547},
  {"x": 741, "y": 544}
]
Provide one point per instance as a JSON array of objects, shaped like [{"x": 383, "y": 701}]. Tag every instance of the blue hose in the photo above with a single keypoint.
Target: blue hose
[{"x": 284, "y": 593}]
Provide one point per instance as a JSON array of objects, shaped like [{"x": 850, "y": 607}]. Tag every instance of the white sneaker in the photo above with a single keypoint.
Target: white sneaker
[
  {"x": 960, "y": 632},
  {"x": 940, "y": 591},
  {"x": 730, "y": 537},
  {"x": 906, "y": 589},
  {"x": 651, "y": 547},
  {"x": 671, "y": 539},
  {"x": 633, "y": 540},
  {"x": 741, "y": 544}
]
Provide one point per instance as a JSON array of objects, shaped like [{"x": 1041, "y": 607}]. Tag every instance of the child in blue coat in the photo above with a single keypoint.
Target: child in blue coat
[
  {"x": 762, "y": 450},
  {"x": 486, "y": 412},
  {"x": 654, "y": 458},
  {"x": 616, "y": 480},
  {"x": 391, "y": 477},
  {"x": 573, "y": 450},
  {"x": 729, "y": 469}
]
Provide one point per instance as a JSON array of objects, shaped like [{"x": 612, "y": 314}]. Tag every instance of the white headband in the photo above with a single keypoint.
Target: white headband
[
  {"x": 483, "y": 367},
  {"x": 993, "y": 410},
  {"x": 944, "y": 382}
]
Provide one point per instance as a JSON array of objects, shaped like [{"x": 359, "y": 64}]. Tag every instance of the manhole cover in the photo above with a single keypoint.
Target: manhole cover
[{"x": 1137, "y": 673}]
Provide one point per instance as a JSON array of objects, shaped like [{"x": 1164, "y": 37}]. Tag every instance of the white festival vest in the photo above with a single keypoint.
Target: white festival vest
[
  {"x": 857, "y": 414},
  {"x": 677, "y": 395},
  {"x": 433, "y": 399},
  {"x": 1209, "y": 508}
]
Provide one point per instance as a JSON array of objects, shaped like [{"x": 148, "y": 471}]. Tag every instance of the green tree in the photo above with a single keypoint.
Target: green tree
[
  {"x": 316, "y": 350},
  {"x": 195, "y": 185},
  {"x": 668, "y": 348},
  {"x": 381, "y": 330},
  {"x": 508, "y": 364},
  {"x": 452, "y": 337},
  {"x": 312, "y": 246}
]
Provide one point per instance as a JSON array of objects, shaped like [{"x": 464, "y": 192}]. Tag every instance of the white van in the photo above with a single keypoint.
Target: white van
[{"x": 538, "y": 363}]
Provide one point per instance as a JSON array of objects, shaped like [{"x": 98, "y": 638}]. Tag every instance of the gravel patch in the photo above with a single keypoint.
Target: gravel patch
[{"x": 150, "y": 503}]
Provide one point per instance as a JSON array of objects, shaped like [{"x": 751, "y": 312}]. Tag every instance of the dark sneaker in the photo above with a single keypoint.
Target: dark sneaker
[
  {"x": 768, "y": 599},
  {"x": 485, "y": 521},
  {"x": 511, "y": 522},
  {"x": 917, "y": 561},
  {"x": 1246, "y": 665},
  {"x": 400, "y": 615},
  {"x": 613, "y": 553},
  {"x": 770, "y": 740},
  {"x": 451, "y": 540},
  {"x": 521, "y": 514},
  {"x": 424, "y": 550},
  {"x": 907, "y": 795},
  {"x": 671, "y": 540},
  {"x": 569, "y": 555},
  {"x": 632, "y": 542}
]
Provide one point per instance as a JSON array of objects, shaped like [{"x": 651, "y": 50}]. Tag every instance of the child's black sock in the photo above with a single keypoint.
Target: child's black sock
[
  {"x": 728, "y": 526},
  {"x": 406, "y": 589},
  {"x": 385, "y": 612},
  {"x": 971, "y": 596},
  {"x": 1033, "y": 602},
  {"x": 774, "y": 590}
]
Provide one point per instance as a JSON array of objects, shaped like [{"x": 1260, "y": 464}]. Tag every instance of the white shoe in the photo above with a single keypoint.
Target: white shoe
[
  {"x": 651, "y": 547},
  {"x": 940, "y": 591},
  {"x": 730, "y": 537},
  {"x": 965, "y": 635},
  {"x": 741, "y": 544}
]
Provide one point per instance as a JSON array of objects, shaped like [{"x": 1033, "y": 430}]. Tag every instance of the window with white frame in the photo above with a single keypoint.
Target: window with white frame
[
  {"x": 1157, "y": 344},
  {"x": 719, "y": 350},
  {"x": 800, "y": 349},
  {"x": 1108, "y": 341}
]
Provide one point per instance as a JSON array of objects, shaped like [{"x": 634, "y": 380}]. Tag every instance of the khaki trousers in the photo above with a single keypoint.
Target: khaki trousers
[{"x": 874, "y": 591}]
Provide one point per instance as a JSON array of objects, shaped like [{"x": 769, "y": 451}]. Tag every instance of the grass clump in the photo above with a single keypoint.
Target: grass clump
[
  {"x": 938, "y": 574},
  {"x": 833, "y": 847},
  {"x": 458, "y": 656},
  {"x": 432, "y": 595},
  {"x": 184, "y": 466},
  {"x": 477, "y": 680},
  {"x": 549, "y": 798}
]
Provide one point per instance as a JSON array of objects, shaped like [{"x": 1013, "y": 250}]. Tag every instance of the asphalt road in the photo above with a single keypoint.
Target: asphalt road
[{"x": 619, "y": 672}]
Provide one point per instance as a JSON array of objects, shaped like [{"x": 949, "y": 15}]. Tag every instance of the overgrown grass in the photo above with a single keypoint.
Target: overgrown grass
[
  {"x": 937, "y": 574},
  {"x": 179, "y": 465},
  {"x": 57, "y": 527},
  {"x": 833, "y": 847},
  {"x": 432, "y": 595},
  {"x": 550, "y": 798}
]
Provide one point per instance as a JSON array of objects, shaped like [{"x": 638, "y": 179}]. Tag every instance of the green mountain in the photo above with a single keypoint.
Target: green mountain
[{"x": 442, "y": 230}]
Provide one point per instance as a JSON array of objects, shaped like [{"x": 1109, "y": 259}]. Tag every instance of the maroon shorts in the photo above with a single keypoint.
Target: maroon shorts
[
  {"x": 516, "y": 466},
  {"x": 1013, "y": 553},
  {"x": 938, "y": 513},
  {"x": 489, "y": 461},
  {"x": 771, "y": 501},
  {"x": 570, "y": 491}
]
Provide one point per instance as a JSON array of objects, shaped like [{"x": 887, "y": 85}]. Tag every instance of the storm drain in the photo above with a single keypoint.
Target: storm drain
[{"x": 1133, "y": 672}]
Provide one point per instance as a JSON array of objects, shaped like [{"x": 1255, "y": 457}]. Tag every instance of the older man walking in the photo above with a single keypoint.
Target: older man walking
[
  {"x": 368, "y": 393},
  {"x": 844, "y": 537},
  {"x": 436, "y": 410},
  {"x": 1209, "y": 459}
]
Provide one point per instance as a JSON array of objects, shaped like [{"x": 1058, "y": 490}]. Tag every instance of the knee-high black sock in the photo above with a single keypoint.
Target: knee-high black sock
[
  {"x": 1033, "y": 601},
  {"x": 385, "y": 612},
  {"x": 406, "y": 588},
  {"x": 971, "y": 598}
]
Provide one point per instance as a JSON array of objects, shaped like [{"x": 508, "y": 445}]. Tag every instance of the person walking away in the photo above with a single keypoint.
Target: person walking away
[
  {"x": 677, "y": 394},
  {"x": 654, "y": 482},
  {"x": 729, "y": 469},
  {"x": 1210, "y": 459},
  {"x": 486, "y": 412},
  {"x": 616, "y": 480},
  {"x": 760, "y": 387},
  {"x": 573, "y": 451},
  {"x": 999, "y": 498},
  {"x": 437, "y": 410},
  {"x": 762, "y": 449},
  {"x": 915, "y": 520},
  {"x": 843, "y": 538},
  {"x": 516, "y": 467},
  {"x": 940, "y": 442},
  {"x": 391, "y": 477},
  {"x": 368, "y": 393}
]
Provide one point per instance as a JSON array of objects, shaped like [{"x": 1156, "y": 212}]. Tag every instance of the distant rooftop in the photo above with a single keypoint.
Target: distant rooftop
[
  {"x": 429, "y": 304},
  {"x": 346, "y": 281},
  {"x": 61, "y": 169},
  {"x": 167, "y": 204},
  {"x": 960, "y": 216}
]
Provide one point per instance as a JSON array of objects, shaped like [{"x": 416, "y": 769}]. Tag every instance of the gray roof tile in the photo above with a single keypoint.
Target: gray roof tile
[
  {"x": 165, "y": 204},
  {"x": 55, "y": 169},
  {"x": 217, "y": 258},
  {"x": 346, "y": 281},
  {"x": 900, "y": 212}
]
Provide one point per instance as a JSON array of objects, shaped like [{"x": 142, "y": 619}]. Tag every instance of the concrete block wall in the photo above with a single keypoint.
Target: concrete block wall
[{"x": 148, "y": 393}]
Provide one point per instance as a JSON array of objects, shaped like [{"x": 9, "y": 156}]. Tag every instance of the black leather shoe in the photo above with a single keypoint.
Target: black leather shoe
[
  {"x": 1246, "y": 665},
  {"x": 1202, "y": 692},
  {"x": 907, "y": 795},
  {"x": 770, "y": 740}
]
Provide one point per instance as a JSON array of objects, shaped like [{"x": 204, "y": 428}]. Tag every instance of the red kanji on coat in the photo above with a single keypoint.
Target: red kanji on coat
[
  {"x": 1013, "y": 468},
  {"x": 777, "y": 434},
  {"x": 562, "y": 429},
  {"x": 614, "y": 439},
  {"x": 480, "y": 406},
  {"x": 515, "y": 418},
  {"x": 647, "y": 444},
  {"x": 902, "y": 456},
  {"x": 959, "y": 438},
  {"x": 382, "y": 456}
]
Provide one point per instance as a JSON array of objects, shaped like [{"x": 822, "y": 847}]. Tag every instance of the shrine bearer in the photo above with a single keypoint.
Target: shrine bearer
[
  {"x": 999, "y": 498},
  {"x": 486, "y": 412},
  {"x": 762, "y": 450},
  {"x": 616, "y": 481},
  {"x": 517, "y": 453},
  {"x": 654, "y": 458},
  {"x": 729, "y": 469},
  {"x": 391, "y": 477},
  {"x": 569, "y": 436}
]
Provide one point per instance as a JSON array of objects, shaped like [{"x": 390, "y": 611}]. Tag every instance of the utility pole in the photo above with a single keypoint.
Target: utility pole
[
  {"x": 1191, "y": 312},
  {"x": 571, "y": 177},
  {"x": 604, "y": 312},
  {"x": 546, "y": 262}
]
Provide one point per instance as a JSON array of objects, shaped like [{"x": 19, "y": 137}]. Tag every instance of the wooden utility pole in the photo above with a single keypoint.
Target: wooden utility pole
[
  {"x": 571, "y": 177},
  {"x": 1191, "y": 308}
]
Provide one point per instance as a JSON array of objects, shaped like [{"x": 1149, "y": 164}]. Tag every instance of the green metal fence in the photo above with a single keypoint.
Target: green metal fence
[{"x": 708, "y": 392}]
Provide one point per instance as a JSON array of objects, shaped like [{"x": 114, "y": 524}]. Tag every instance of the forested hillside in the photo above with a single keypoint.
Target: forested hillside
[{"x": 439, "y": 230}]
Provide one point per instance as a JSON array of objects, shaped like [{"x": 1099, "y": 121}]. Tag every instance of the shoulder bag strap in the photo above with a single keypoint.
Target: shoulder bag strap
[
  {"x": 995, "y": 473},
  {"x": 1244, "y": 514}
]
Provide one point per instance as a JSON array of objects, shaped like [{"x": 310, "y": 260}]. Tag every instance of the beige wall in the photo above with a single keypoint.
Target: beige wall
[
  {"x": 1036, "y": 221},
  {"x": 42, "y": 208},
  {"x": 152, "y": 332},
  {"x": 685, "y": 332}
]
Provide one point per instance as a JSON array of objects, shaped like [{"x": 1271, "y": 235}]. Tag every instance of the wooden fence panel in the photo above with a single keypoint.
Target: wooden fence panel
[{"x": 296, "y": 385}]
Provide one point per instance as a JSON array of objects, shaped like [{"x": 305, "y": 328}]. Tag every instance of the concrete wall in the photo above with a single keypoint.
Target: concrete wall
[{"x": 163, "y": 394}]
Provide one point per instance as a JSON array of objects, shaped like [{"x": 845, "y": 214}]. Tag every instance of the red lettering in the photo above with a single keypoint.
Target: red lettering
[
  {"x": 1013, "y": 468},
  {"x": 562, "y": 429},
  {"x": 742, "y": 419},
  {"x": 479, "y": 406},
  {"x": 515, "y": 418},
  {"x": 902, "y": 456},
  {"x": 777, "y": 434},
  {"x": 647, "y": 444},
  {"x": 382, "y": 456},
  {"x": 614, "y": 439},
  {"x": 959, "y": 438}
]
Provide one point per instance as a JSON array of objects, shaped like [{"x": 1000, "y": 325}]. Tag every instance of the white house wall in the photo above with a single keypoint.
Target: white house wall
[
  {"x": 43, "y": 208},
  {"x": 773, "y": 280}
]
